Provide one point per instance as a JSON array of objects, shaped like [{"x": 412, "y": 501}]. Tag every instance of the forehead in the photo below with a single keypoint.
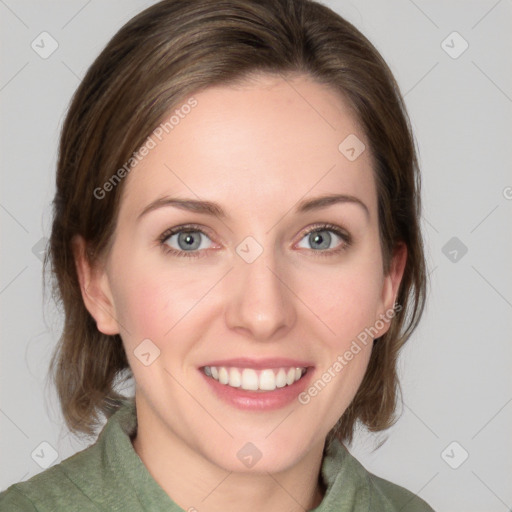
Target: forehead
[{"x": 254, "y": 143}]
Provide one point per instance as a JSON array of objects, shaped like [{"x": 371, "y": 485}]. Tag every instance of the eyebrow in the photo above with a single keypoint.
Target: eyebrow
[
  {"x": 210, "y": 208},
  {"x": 328, "y": 200},
  {"x": 192, "y": 205}
]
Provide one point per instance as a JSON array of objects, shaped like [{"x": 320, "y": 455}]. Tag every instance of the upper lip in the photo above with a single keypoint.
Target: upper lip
[{"x": 258, "y": 364}]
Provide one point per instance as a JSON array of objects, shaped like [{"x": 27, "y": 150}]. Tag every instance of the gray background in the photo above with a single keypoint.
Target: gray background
[{"x": 456, "y": 368}]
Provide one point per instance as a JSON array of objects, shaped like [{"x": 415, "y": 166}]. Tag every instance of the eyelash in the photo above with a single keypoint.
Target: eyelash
[
  {"x": 181, "y": 229},
  {"x": 345, "y": 237}
]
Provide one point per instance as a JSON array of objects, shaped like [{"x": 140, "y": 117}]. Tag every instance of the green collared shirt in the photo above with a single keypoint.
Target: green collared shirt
[{"x": 109, "y": 476}]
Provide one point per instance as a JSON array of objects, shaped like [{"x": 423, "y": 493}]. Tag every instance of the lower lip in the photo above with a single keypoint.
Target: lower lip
[{"x": 259, "y": 400}]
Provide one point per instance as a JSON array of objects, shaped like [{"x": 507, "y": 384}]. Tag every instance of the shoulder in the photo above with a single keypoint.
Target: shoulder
[
  {"x": 56, "y": 486},
  {"x": 82, "y": 482},
  {"x": 12, "y": 499},
  {"x": 366, "y": 491},
  {"x": 394, "y": 497}
]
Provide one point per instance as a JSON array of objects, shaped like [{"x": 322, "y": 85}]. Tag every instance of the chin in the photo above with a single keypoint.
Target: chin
[{"x": 257, "y": 454}]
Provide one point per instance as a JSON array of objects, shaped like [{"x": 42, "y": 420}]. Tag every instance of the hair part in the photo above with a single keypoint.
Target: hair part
[{"x": 165, "y": 54}]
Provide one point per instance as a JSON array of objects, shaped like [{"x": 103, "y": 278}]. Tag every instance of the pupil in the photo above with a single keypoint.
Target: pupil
[
  {"x": 322, "y": 239},
  {"x": 188, "y": 241}
]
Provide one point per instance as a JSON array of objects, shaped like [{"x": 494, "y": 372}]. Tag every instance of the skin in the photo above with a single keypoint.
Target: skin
[{"x": 255, "y": 149}]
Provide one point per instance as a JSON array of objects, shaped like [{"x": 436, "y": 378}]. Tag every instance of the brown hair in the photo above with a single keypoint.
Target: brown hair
[{"x": 166, "y": 53}]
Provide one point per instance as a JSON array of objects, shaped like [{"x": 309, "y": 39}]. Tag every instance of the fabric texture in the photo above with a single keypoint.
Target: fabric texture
[{"x": 109, "y": 476}]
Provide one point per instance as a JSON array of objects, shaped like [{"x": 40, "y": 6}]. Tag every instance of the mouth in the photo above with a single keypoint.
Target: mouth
[
  {"x": 252, "y": 379},
  {"x": 257, "y": 385}
]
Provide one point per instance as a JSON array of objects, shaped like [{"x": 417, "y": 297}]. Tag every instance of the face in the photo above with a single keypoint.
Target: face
[{"x": 247, "y": 262}]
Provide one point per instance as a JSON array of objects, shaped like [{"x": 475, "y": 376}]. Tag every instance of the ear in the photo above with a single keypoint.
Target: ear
[
  {"x": 391, "y": 283},
  {"x": 95, "y": 288}
]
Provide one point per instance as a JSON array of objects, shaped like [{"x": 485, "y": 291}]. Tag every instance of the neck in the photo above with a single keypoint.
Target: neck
[{"x": 196, "y": 483}]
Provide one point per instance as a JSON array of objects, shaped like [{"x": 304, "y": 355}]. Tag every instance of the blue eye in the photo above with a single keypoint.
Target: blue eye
[
  {"x": 191, "y": 241},
  {"x": 184, "y": 240},
  {"x": 325, "y": 238}
]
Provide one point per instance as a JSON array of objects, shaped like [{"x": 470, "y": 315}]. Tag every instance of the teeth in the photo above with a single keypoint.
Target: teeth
[
  {"x": 235, "y": 378},
  {"x": 223, "y": 375},
  {"x": 281, "y": 378},
  {"x": 253, "y": 380},
  {"x": 249, "y": 379},
  {"x": 267, "y": 380}
]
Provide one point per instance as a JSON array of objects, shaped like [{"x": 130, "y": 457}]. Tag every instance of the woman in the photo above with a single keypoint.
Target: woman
[{"x": 236, "y": 226}]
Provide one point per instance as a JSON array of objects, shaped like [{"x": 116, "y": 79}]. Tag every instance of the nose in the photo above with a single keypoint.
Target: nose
[{"x": 260, "y": 304}]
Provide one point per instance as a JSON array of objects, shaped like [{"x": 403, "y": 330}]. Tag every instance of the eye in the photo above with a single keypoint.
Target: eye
[
  {"x": 325, "y": 238},
  {"x": 183, "y": 240}
]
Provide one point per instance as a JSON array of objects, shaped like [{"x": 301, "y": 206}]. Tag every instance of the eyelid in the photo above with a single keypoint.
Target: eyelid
[
  {"x": 326, "y": 226},
  {"x": 190, "y": 227},
  {"x": 184, "y": 228}
]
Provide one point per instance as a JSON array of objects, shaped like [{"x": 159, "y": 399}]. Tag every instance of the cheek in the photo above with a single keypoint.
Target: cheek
[
  {"x": 345, "y": 299},
  {"x": 151, "y": 301}
]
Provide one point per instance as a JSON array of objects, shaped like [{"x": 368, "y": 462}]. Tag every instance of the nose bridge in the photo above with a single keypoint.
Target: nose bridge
[{"x": 259, "y": 301}]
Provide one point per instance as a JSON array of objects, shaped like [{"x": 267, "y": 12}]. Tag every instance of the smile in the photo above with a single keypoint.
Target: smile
[{"x": 249, "y": 379}]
